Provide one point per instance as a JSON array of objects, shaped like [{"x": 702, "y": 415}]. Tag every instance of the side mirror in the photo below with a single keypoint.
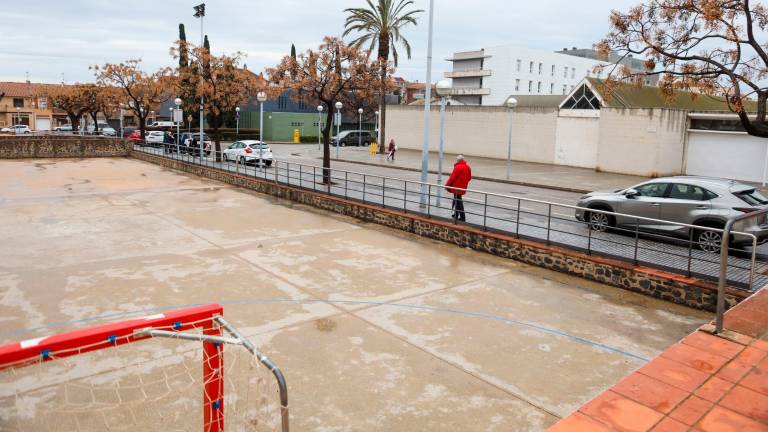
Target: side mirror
[{"x": 631, "y": 193}]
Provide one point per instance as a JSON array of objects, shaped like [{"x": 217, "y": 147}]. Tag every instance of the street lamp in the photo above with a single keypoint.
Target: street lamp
[
  {"x": 177, "y": 117},
  {"x": 443, "y": 89},
  {"x": 359, "y": 126},
  {"x": 200, "y": 13},
  {"x": 511, "y": 104},
  {"x": 261, "y": 97},
  {"x": 427, "y": 103},
  {"x": 237, "y": 122},
  {"x": 319, "y": 120},
  {"x": 18, "y": 118},
  {"x": 376, "y": 129},
  {"x": 152, "y": 115},
  {"x": 338, "y": 106}
]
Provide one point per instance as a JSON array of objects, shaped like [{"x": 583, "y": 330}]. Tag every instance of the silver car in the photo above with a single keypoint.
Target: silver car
[{"x": 701, "y": 201}]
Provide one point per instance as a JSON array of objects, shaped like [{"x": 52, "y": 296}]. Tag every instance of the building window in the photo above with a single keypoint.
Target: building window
[
  {"x": 302, "y": 105},
  {"x": 541, "y": 68},
  {"x": 42, "y": 103},
  {"x": 517, "y": 85},
  {"x": 565, "y": 72},
  {"x": 553, "y": 70},
  {"x": 18, "y": 102},
  {"x": 573, "y": 73},
  {"x": 552, "y": 88},
  {"x": 582, "y": 99},
  {"x": 530, "y": 86},
  {"x": 282, "y": 102},
  {"x": 538, "y": 87},
  {"x": 519, "y": 64},
  {"x": 530, "y": 67}
]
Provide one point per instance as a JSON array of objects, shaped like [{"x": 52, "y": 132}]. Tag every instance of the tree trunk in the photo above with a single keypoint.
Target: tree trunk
[
  {"x": 143, "y": 127},
  {"x": 327, "y": 144},
  {"x": 383, "y": 57},
  {"x": 74, "y": 119},
  {"x": 95, "y": 123}
]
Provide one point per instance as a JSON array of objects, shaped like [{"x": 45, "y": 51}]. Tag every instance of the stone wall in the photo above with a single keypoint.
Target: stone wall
[
  {"x": 655, "y": 283},
  {"x": 61, "y": 146}
]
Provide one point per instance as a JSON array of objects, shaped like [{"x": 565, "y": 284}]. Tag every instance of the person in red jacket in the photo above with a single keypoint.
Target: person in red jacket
[{"x": 456, "y": 184}]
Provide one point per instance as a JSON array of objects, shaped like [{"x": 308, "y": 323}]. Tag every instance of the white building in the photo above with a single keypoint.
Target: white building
[{"x": 490, "y": 75}]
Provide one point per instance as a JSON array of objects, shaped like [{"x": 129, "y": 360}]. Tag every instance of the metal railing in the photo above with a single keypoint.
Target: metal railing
[{"x": 542, "y": 221}]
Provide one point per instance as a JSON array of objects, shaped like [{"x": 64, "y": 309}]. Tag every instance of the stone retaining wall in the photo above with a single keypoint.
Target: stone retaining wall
[
  {"x": 655, "y": 283},
  {"x": 61, "y": 146}
]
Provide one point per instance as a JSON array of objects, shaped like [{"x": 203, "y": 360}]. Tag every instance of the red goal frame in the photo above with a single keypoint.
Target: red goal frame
[{"x": 20, "y": 354}]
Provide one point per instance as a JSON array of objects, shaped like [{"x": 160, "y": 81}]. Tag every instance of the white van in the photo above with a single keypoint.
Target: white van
[{"x": 163, "y": 124}]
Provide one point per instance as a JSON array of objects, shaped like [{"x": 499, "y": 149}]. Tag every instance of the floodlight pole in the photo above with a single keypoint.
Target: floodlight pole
[
  {"x": 427, "y": 100},
  {"x": 200, "y": 13}
]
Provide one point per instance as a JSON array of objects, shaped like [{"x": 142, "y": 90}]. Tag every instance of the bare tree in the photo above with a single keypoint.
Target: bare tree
[{"x": 706, "y": 46}]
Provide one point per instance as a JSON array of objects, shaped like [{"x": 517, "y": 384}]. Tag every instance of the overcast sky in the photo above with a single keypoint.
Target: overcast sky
[{"x": 49, "y": 39}]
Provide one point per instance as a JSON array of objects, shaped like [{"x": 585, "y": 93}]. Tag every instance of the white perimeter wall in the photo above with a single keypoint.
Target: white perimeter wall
[
  {"x": 577, "y": 138},
  {"x": 731, "y": 155}
]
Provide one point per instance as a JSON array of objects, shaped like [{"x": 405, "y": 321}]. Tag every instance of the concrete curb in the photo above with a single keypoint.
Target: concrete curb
[{"x": 491, "y": 179}]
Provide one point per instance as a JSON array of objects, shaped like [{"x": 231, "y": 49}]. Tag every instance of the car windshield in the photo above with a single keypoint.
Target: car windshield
[
  {"x": 752, "y": 197},
  {"x": 259, "y": 146}
]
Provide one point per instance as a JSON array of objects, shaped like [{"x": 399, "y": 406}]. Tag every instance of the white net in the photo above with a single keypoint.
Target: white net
[{"x": 154, "y": 384}]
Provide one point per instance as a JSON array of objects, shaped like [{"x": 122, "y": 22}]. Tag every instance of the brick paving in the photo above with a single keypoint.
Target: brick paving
[{"x": 704, "y": 383}]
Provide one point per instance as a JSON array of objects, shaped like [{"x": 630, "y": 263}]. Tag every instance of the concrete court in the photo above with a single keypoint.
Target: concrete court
[{"x": 375, "y": 329}]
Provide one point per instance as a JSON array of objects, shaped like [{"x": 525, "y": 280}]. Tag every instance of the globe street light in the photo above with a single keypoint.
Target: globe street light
[
  {"x": 177, "y": 117},
  {"x": 511, "y": 104},
  {"x": 200, "y": 13},
  {"x": 237, "y": 122},
  {"x": 359, "y": 127},
  {"x": 338, "y": 106},
  {"x": 443, "y": 89},
  {"x": 261, "y": 97},
  {"x": 319, "y": 120},
  {"x": 376, "y": 129}
]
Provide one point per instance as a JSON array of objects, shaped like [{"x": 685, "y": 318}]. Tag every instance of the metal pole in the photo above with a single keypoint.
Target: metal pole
[
  {"x": 427, "y": 103},
  {"x": 359, "y": 128},
  {"x": 765, "y": 164},
  {"x": 202, "y": 96},
  {"x": 723, "y": 276},
  {"x": 338, "y": 133},
  {"x": 178, "y": 135},
  {"x": 443, "y": 101},
  {"x": 261, "y": 134},
  {"x": 509, "y": 147},
  {"x": 319, "y": 130},
  {"x": 121, "y": 123}
]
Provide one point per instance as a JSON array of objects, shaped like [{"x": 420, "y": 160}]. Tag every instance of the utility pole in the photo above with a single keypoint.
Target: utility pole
[{"x": 200, "y": 13}]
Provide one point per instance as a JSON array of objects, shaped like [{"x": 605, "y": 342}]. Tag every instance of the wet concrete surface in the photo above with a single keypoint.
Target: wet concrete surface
[{"x": 375, "y": 329}]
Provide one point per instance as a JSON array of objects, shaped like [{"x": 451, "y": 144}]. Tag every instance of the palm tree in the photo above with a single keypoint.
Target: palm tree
[{"x": 379, "y": 25}]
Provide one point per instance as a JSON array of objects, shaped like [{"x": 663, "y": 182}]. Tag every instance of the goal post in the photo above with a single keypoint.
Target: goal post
[{"x": 204, "y": 324}]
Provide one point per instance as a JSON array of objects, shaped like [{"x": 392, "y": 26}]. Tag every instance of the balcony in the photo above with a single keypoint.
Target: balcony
[
  {"x": 470, "y": 92},
  {"x": 469, "y": 73}
]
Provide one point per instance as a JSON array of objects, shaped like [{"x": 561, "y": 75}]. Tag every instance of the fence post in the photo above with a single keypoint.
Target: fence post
[
  {"x": 589, "y": 239},
  {"x": 383, "y": 191},
  {"x": 485, "y": 212},
  {"x": 637, "y": 238},
  {"x": 549, "y": 220},
  {"x": 517, "y": 219},
  {"x": 346, "y": 184},
  {"x": 690, "y": 251},
  {"x": 405, "y": 196},
  {"x": 314, "y": 178},
  {"x": 363, "y": 187}
]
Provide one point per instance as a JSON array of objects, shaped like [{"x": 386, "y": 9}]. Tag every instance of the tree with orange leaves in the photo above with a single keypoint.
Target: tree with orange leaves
[
  {"x": 71, "y": 99},
  {"x": 708, "y": 46},
  {"x": 142, "y": 91},
  {"x": 225, "y": 85},
  {"x": 335, "y": 72}
]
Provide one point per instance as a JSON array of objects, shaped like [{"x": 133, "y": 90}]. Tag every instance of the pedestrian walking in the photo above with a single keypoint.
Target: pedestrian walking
[
  {"x": 457, "y": 184},
  {"x": 392, "y": 149}
]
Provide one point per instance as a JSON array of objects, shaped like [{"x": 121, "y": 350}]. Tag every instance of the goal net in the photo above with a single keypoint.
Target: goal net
[{"x": 185, "y": 370}]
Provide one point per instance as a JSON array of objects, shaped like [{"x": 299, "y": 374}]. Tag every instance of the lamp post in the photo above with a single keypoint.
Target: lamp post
[
  {"x": 200, "y": 13},
  {"x": 359, "y": 126},
  {"x": 18, "y": 119},
  {"x": 376, "y": 127},
  {"x": 510, "y": 103},
  {"x": 122, "y": 134},
  {"x": 443, "y": 89},
  {"x": 177, "y": 117},
  {"x": 237, "y": 122},
  {"x": 261, "y": 97},
  {"x": 319, "y": 120},
  {"x": 152, "y": 115},
  {"x": 338, "y": 106},
  {"x": 427, "y": 103}
]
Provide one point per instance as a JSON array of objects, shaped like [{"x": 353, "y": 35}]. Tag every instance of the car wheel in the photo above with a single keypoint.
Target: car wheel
[
  {"x": 709, "y": 241},
  {"x": 268, "y": 162},
  {"x": 366, "y": 144},
  {"x": 241, "y": 160},
  {"x": 224, "y": 157},
  {"x": 599, "y": 222}
]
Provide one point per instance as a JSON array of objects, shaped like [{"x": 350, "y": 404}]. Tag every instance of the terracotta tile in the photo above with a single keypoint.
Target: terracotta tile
[
  {"x": 757, "y": 380},
  {"x": 748, "y": 402},
  {"x": 695, "y": 357},
  {"x": 578, "y": 422},
  {"x": 650, "y": 392},
  {"x": 751, "y": 356},
  {"x": 763, "y": 364},
  {"x": 754, "y": 314},
  {"x": 713, "y": 344},
  {"x": 691, "y": 410},
  {"x": 714, "y": 389},
  {"x": 734, "y": 371},
  {"x": 674, "y": 373},
  {"x": 670, "y": 425},
  {"x": 760, "y": 344},
  {"x": 722, "y": 420},
  {"x": 621, "y": 413},
  {"x": 744, "y": 325}
]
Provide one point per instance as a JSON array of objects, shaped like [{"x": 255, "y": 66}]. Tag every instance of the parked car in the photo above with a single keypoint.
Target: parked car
[
  {"x": 163, "y": 124},
  {"x": 104, "y": 129},
  {"x": 63, "y": 128},
  {"x": 5, "y": 129},
  {"x": 127, "y": 131},
  {"x": 701, "y": 201},
  {"x": 190, "y": 143},
  {"x": 353, "y": 137},
  {"x": 135, "y": 136},
  {"x": 155, "y": 138},
  {"x": 249, "y": 151},
  {"x": 21, "y": 129}
]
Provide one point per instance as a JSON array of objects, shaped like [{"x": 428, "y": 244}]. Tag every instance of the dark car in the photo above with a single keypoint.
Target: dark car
[
  {"x": 353, "y": 137},
  {"x": 190, "y": 144}
]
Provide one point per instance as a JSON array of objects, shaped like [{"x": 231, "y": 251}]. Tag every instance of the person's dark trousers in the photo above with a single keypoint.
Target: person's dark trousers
[{"x": 458, "y": 208}]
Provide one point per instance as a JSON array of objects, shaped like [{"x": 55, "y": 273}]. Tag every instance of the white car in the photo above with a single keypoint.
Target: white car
[
  {"x": 155, "y": 137},
  {"x": 21, "y": 129},
  {"x": 63, "y": 128},
  {"x": 249, "y": 151}
]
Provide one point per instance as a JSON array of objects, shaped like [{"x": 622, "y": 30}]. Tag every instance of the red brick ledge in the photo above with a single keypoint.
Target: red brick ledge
[{"x": 704, "y": 383}]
